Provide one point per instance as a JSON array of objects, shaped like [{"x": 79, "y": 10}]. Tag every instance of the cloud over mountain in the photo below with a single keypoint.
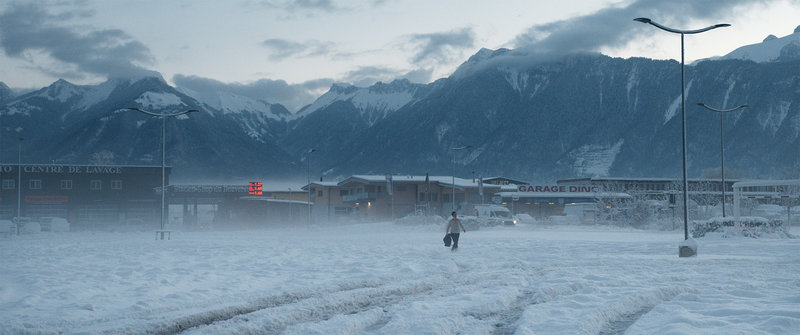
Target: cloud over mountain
[
  {"x": 293, "y": 96},
  {"x": 614, "y": 26},
  {"x": 281, "y": 49},
  {"x": 44, "y": 35},
  {"x": 439, "y": 47},
  {"x": 367, "y": 75}
]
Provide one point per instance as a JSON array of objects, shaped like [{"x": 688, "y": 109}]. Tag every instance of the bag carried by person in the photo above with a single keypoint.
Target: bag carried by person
[{"x": 447, "y": 240}]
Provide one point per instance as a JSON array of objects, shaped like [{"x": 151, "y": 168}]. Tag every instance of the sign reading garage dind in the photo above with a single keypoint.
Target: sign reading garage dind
[{"x": 556, "y": 188}]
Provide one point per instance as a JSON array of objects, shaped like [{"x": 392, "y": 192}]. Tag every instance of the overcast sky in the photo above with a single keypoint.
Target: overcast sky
[{"x": 290, "y": 51}]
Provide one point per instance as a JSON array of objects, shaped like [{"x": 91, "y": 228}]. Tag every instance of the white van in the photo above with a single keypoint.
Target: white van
[
  {"x": 494, "y": 212},
  {"x": 54, "y": 224}
]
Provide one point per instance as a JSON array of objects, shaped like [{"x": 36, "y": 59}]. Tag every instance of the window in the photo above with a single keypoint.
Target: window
[
  {"x": 319, "y": 193},
  {"x": 341, "y": 192},
  {"x": 95, "y": 185},
  {"x": 9, "y": 184},
  {"x": 116, "y": 184},
  {"x": 66, "y": 184},
  {"x": 35, "y": 184}
]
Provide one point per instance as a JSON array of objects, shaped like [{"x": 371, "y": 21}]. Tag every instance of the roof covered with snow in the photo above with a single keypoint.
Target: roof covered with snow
[{"x": 460, "y": 183}]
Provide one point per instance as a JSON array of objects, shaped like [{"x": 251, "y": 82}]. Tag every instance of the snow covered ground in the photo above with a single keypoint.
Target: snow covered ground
[{"x": 387, "y": 279}]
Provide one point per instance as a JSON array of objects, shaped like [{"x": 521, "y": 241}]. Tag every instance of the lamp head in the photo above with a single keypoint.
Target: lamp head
[{"x": 642, "y": 20}]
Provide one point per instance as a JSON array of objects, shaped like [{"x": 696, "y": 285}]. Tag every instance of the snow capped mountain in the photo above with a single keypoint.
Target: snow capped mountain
[
  {"x": 770, "y": 49},
  {"x": 5, "y": 92},
  {"x": 159, "y": 100},
  {"x": 81, "y": 121},
  {"x": 345, "y": 112},
  {"x": 479, "y": 61},
  {"x": 373, "y": 103},
  {"x": 61, "y": 91},
  {"x": 580, "y": 115},
  {"x": 233, "y": 103},
  {"x": 534, "y": 118},
  {"x": 260, "y": 120}
]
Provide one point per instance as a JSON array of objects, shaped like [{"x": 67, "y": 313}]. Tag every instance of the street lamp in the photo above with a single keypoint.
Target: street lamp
[
  {"x": 722, "y": 145},
  {"x": 19, "y": 181},
  {"x": 308, "y": 174},
  {"x": 163, "y": 117},
  {"x": 454, "y": 172},
  {"x": 683, "y": 112}
]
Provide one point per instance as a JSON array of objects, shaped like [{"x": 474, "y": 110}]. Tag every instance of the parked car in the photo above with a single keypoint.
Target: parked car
[
  {"x": 54, "y": 224},
  {"x": 525, "y": 218},
  {"x": 488, "y": 216},
  {"x": 26, "y": 225},
  {"x": 495, "y": 213}
]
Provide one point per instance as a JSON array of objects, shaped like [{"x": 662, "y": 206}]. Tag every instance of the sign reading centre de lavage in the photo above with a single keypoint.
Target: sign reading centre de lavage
[
  {"x": 62, "y": 169},
  {"x": 556, "y": 188}
]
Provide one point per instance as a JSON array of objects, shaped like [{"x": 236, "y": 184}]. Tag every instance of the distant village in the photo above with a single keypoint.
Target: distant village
[{"x": 109, "y": 197}]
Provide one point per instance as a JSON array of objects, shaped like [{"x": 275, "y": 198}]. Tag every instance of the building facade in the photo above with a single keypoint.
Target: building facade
[
  {"x": 370, "y": 197},
  {"x": 701, "y": 191},
  {"x": 88, "y": 196}
]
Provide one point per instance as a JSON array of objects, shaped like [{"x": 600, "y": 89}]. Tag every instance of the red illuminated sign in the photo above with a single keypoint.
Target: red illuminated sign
[{"x": 254, "y": 188}]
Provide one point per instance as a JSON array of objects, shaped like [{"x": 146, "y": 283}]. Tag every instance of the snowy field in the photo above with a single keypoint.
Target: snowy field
[{"x": 387, "y": 279}]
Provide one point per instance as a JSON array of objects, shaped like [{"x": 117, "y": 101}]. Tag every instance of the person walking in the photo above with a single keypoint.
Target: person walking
[{"x": 454, "y": 228}]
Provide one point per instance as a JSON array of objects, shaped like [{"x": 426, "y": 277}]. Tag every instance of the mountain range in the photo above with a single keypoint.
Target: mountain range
[
  {"x": 581, "y": 115},
  {"x": 70, "y": 124}
]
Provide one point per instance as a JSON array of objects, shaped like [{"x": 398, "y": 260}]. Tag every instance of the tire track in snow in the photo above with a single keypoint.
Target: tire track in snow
[
  {"x": 620, "y": 325},
  {"x": 624, "y": 317},
  {"x": 375, "y": 326},
  {"x": 276, "y": 319},
  {"x": 506, "y": 320},
  {"x": 182, "y": 323}
]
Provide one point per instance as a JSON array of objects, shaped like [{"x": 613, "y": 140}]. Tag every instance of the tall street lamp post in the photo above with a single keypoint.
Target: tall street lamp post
[
  {"x": 308, "y": 175},
  {"x": 19, "y": 183},
  {"x": 722, "y": 145},
  {"x": 683, "y": 118},
  {"x": 163, "y": 117},
  {"x": 454, "y": 172}
]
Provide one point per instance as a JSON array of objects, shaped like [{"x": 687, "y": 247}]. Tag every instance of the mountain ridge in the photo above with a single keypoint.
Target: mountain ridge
[{"x": 581, "y": 115}]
